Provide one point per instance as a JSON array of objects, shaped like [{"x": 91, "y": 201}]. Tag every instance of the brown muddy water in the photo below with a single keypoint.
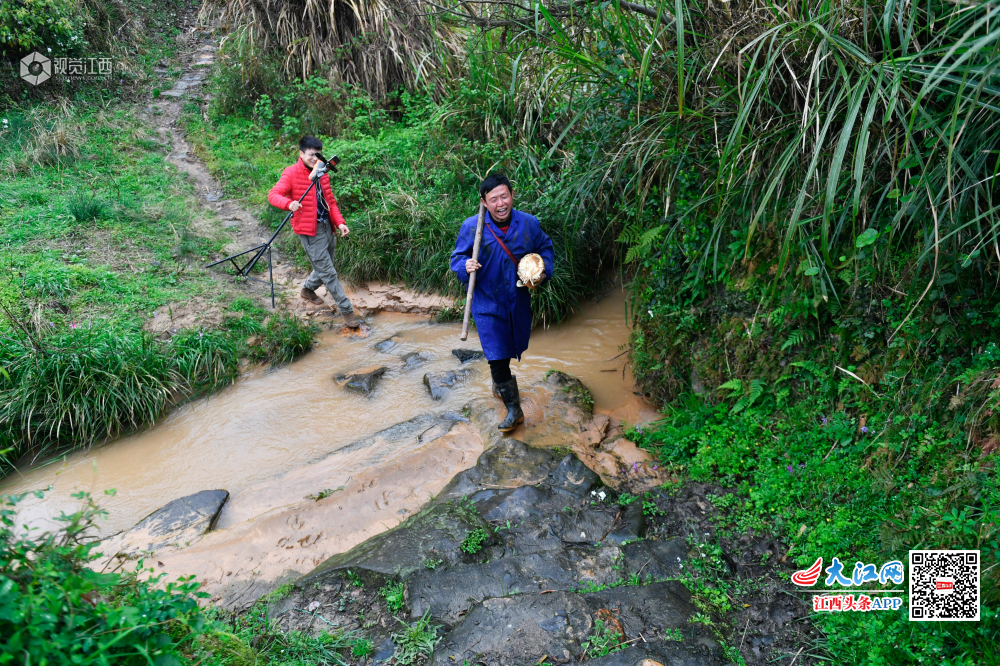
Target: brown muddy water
[{"x": 274, "y": 435}]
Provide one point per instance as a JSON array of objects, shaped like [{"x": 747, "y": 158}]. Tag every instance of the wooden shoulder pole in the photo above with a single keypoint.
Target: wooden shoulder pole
[{"x": 472, "y": 275}]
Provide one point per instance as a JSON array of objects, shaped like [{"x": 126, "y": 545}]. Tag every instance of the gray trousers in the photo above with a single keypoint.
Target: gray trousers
[{"x": 320, "y": 250}]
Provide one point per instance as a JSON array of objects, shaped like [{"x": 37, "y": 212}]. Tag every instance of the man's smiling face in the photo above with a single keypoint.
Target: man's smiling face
[
  {"x": 309, "y": 157},
  {"x": 500, "y": 202}
]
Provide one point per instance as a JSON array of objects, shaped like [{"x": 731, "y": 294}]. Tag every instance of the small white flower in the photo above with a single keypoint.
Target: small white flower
[
  {"x": 601, "y": 495},
  {"x": 583, "y": 535}
]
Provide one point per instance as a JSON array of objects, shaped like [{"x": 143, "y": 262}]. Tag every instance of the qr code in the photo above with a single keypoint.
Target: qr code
[{"x": 944, "y": 585}]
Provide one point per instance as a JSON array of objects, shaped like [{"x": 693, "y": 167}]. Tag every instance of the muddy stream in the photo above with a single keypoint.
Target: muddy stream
[{"x": 278, "y": 435}]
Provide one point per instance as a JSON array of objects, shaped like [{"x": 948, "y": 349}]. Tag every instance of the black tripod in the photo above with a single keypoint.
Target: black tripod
[{"x": 266, "y": 247}]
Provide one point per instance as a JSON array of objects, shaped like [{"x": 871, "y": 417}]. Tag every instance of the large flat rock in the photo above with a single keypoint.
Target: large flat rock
[
  {"x": 178, "y": 523},
  {"x": 432, "y": 535}
]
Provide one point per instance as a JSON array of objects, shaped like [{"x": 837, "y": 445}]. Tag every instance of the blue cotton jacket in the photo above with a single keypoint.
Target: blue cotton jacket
[{"x": 501, "y": 310}]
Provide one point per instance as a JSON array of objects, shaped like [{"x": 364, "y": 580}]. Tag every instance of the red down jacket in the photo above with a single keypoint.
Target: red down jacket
[{"x": 293, "y": 182}]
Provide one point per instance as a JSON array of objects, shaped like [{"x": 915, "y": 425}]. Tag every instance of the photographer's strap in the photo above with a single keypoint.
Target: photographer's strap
[{"x": 505, "y": 248}]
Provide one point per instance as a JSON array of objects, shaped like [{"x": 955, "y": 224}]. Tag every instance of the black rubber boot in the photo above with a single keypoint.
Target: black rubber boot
[{"x": 512, "y": 399}]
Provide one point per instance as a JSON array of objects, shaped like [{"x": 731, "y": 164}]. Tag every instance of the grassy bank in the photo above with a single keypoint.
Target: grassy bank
[{"x": 99, "y": 232}]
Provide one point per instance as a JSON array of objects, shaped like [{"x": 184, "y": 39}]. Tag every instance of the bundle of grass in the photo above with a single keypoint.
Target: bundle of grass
[
  {"x": 75, "y": 388},
  {"x": 86, "y": 208},
  {"x": 276, "y": 339},
  {"x": 207, "y": 360},
  {"x": 379, "y": 46}
]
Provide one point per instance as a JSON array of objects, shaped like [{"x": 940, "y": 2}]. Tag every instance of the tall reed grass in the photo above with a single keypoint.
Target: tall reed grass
[{"x": 809, "y": 130}]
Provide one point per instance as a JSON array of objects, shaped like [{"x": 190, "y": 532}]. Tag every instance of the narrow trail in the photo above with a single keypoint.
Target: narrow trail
[{"x": 199, "y": 45}]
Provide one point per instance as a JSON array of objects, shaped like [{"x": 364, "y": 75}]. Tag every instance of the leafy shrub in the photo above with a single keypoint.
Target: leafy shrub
[
  {"x": 37, "y": 24},
  {"x": 54, "y": 609}
]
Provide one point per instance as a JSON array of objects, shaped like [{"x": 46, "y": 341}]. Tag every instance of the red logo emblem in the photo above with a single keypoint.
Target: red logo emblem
[{"x": 809, "y": 577}]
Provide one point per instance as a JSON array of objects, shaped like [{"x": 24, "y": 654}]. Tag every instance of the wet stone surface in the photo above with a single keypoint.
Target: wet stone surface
[
  {"x": 466, "y": 355},
  {"x": 438, "y": 383},
  {"x": 362, "y": 380},
  {"x": 181, "y": 521},
  {"x": 388, "y": 344},
  {"x": 414, "y": 359},
  {"x": 547, "y": 569}
]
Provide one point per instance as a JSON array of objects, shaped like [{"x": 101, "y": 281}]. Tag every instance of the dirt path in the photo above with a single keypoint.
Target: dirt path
[{"x": 197, "y": 54}]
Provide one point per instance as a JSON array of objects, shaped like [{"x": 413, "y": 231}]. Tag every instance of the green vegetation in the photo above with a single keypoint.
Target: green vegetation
[
  {"x": 58, "y": 610},
  {"x": 415, "y": 642},
  {"x": 474, "y": 540},
  {"x": 65, "y": 389},
  {"x": 354, "y": 579},
  {"x": 607, "y": 638},
  {"x": 393, "y": 595},
  {"x": 101, "y": 246},
  {"x": 323, "y": 494}
]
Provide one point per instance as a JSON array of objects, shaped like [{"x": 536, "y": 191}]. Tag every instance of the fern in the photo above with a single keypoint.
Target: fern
[
  {"x": 735, "y": 386},
  {"x": 756, "y": 390},
  {"x": 641, "y": 248},
  {"x": 809, "y": 366},
  {"x": 798, "y": 337}
]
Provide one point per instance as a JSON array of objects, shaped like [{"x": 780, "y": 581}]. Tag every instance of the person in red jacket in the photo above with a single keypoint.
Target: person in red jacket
[{"x": 314, "y": 220}]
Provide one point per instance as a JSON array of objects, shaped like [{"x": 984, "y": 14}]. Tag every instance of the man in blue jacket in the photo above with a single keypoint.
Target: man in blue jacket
[{"x": 501, "y": 309}]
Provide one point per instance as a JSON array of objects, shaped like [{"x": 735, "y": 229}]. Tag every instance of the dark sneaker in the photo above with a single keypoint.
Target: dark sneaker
[{"x": 311, "y": 296}]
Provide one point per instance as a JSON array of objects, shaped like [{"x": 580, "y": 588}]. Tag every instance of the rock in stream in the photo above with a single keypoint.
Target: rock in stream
[
  {"x": 550, "y": 565},
  {"x": 438, "y": 383},
  {"x": 362, "y": 380}
]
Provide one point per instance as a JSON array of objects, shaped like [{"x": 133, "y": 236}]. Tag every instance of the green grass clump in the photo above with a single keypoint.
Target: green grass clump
[
  {"x": 253, "y": 637},
  {"x": 415, "y": 642},
  {"x": 362, "y": 648},
  {"x": 84, "y": 209},
  {"x": 75, "y": 388},
  {"x": 474, "y": 540}
]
